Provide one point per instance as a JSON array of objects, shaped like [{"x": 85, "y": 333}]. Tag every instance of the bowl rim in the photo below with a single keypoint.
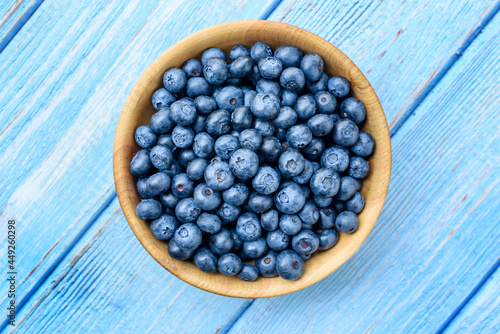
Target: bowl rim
[{"x": 122, "y": 174}]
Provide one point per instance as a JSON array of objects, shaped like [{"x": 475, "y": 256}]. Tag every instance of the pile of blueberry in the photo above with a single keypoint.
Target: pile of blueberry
[{"x": 257, "y": 159}]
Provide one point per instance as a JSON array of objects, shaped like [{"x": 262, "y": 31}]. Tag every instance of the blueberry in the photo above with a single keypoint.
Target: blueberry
[
  {"x": 327, "y": 217},
  {"x": 216, "y": 91},
  {"x": 205, "y": 260},
  {"x": 316, "y": 166},
  {"x": 140, "y": 163},
  {"x": 358, "y": 167},
  {"x": 188, "y": 236},
  {"x": 161, "y": 122},
  {"x": 221, "y": 243},
  {"x": 248, "y": 273},
  {"x": 322, "y": 202},
  {"x": 348, "y": 186},
  {"x": 291, "y": 163},
  {"x": 235, "y": 133},
  {"x": 228, "y": 213},
  {"x": 145, "y": 137},
  {"x": 270, "y": 67},
  {"x": 260, "y": 50},
  {"x": 182, "y": 186},
  {"x": 142, "y": 188},
  {"x": 236, "y": 195},
  {"x": 206, "y": 198},
  {"x": 280, "y": 134},
  {"x": 218, "y": 123},
  {"x": 327, "y": 238},
  {"x": 318, "y": 86},
  {"x": 267, "y": 264},
  {"x": 174, "y": 169},
  {"x": 158, "y": 183},
  {"x": 266, "y": 128},
  {"x": 347, "y": 222},
  {"x": 305, "y": 242},
  {"x": 286, "y": 118},
  {"x": 241, "y": 67},
  {"x": 339, "y": 206},
  {"x": 305, "y": 175},
  {"x": 212, "y": 53},
  {"x": 338, "y": 86},
  {"x": 359, "y": 184},
  {"x": 353, "y": 109},
  {"x": 299, "y": 136},
  {"x": 259, "y": 203},
  {"x": 237, "y": 242},
  {"x": 244, "y": 164},
  {"x": 325, "y": 183},
  {"x": 198, "y": 86},
  {"x": 203, "y": 145},
  {"x": 254, "y": 75},
  {"x": 166, "y": 140},
  {"x": 174, "y": 80},
  {"x": 320, "y": 125},
  {"x": 265, "y": 106},
  {"x": 288, "y": 98},
  {"x": 289, "y": 265},
  {"x": 364, "y": 146},
  {"x": 241, "y": 118},
  {"x": 248, "y": 227},
  {"x": 229, "y": 98},
  {"x": 161, "y": 157},
  {"x": 169, "y": 200},
  {"x": 148, "y": 209},
  {"x": 239, "y": 51},
  {"x": 164, "y": 227},
  {"x": 182, "y": 136},
  {"x": 289, "y": 55},
  {"x": 269, "y": 220},
  {"x": 218, "y": 176},
  {"x": 205, "y": 104},
  {"x": 305, "y": 107},
  {"x": 312, "y": 65},
  {"x": 314, "y": 149},
  {"x": 193, "y": 68},
  {"x": 277, "y": 240},
  {"x": 196, "y": 169},
  {"x": 183, "y": 112},
  {"x": 309, "y": 215},
  {"x": 229, "y": 264},
  {"x": 271, "y": 149},
  {"x": 209, "y": 223},
  {"x": 162, "y": 98},
  {"x": 306, "y": 190},
  {"x": 215, "y": 71},
  {"x": 292, "y": 79},
  {"x": 186, "y": 211},
  {"x": 255, "y": 249},
  {"x": 250, "y": 139},
  {"x": 226, "y": 145},
  {"x": 185, "y": 157},
  {"x": 266, "y": 181},
  {"x": 177, "y": 253},
  {"x": 356, "y": 203},
  {"x": 335, "y": 158},
  {"x": 290, "y": 198},
  {"x": 249, "y": 96},
  {"x": 265, "y": 86}
]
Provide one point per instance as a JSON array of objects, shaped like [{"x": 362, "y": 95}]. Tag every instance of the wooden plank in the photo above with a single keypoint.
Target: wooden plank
[
  {"x": 13, "y": 15},
  {"x": 438, "y": 234},
  {"x": 403, "y": 48},
  {"x": 64, "y": 79},
  {"x": 113, "y": 285},
  {"x": 482, "y": 313}
]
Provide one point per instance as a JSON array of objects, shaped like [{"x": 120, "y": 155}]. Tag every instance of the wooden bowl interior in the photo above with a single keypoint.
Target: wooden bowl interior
[{"x": 138, "y": 110}]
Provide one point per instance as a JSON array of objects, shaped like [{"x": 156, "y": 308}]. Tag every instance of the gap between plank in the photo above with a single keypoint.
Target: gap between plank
[
  {"x": 447, "y": 66},
  {"x": 224, "y": 329},
  {"x": 19, "y": 24}
]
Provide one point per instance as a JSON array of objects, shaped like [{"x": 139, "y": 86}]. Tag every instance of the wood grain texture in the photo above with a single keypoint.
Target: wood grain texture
[
  {"x": 114, "y": 286},
  {"x": 403, "y": 47},
  {"x": 482, "y": 313},
  {"x": 438, "y": 233},
  {"x": 138, "y": 111},
  {"x": 59, "y": 117},
  {"x": 13, "y": 15}
]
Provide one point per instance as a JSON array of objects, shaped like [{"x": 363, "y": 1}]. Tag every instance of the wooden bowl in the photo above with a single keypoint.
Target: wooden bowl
[{"x": 138, "y": 110}]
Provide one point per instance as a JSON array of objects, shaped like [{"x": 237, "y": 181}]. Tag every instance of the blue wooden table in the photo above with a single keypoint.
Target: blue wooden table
[{"x": 431, "y": 262}]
